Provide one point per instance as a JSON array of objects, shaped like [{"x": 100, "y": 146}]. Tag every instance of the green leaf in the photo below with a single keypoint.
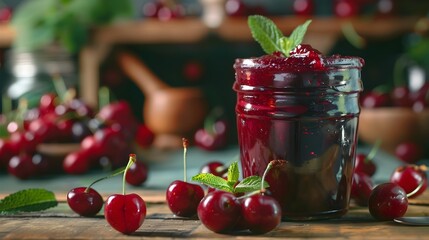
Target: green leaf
[
  {"x": 28, "y": 200},
  {"x": 233, "y": 173},
  {"x": 298, "y": 34},
  {"x": 213, "y": 181},
  {"x": 265, "y": 32},
  {"x": 270, "y": 37},
  {"x": 250, "y": 184}
]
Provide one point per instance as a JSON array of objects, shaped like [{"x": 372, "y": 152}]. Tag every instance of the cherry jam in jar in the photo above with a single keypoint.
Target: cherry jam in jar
[{"x": 302, "y": 109}]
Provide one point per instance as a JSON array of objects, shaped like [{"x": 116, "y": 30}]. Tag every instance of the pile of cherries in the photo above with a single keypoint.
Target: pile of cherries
[
  {"x": 101, "y": 139},
  {"x": 220, "y": 210},
  {"x": 388, "y": 200},
  {"x": 124, "y": 212}
]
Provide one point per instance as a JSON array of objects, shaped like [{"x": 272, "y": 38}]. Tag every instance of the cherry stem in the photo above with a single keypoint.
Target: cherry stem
[
  {"x": 417, "y": 188},
  {"x": 373, "y": 151},
  {"x": 60, "y": 86},
  {"x": 131, "y": 161},
  {"x": 267, "y": 169},
  {"x": 213, "y": 116},
  {"x": 185, "y": 147},
  {"x": 103, "y": 96},
  {"x": 115, "y": 173}
]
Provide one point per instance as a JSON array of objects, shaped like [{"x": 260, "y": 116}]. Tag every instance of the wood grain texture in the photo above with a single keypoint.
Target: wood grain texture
[{"x": 62, "y": 223}]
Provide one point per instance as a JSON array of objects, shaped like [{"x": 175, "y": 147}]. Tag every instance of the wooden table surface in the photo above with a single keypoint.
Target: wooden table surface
[{"x": 61, "y": 223}]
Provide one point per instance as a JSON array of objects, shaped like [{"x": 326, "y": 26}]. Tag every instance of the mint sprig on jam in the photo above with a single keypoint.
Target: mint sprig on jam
[
  {"x": 28, "y": 200},
  {"x": 270, "y": 37},
  {"x": 249, "y": 184}
]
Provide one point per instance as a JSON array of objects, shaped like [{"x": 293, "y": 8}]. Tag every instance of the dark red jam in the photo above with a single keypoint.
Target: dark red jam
[{"x": 302, "y": 109}]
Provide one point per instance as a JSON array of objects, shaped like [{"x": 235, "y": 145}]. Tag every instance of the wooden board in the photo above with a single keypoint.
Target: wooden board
[{"x": 61, "y": 223}]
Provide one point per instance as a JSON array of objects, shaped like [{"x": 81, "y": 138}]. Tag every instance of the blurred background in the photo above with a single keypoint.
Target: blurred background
[{"x": 193, "y": 43}]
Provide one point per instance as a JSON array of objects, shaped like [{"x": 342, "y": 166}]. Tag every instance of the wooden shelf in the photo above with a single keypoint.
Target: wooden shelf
[{"x": 322, "y": 34}]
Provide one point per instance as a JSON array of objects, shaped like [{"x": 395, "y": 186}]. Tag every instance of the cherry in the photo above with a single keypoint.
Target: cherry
[
  {"x": 375, "y": 99},
  {"x": 193, "y": 70},
  {"x": 346, "y": 8},
  {"x": 235, "y": 8},
  {"x": 6, "y": 152},
  {"x": 216, "y": 168},
  {"x": 303, "y": 7},
  {"x": 183, "y": 197},
  {"x": 5, "y": 14},
  {"x": 214, "y": 135},
  {"x": 219, "y": 211},
  {"x": 22, "y": 166},
  {"x": 262, "y": 213},
  {"x": 409, "y": 152},
  {"x": 400, "y": 96},
  {"x": 137, "y": 174},
  {"x": 362, "y": 186},
  {"x": 388, "y": 201},
  {"x": 47, "y": 103},
  {"x": 85, "y": 201},
  {"x": 364, "y": 163},
  {"x": 125, "y": 212},
  {"x": 78, "y": 162},
  {"x": 80, "y": 130},
  {"x": 213, "y": 140},
  {"x": 411, "y": 178},
  {"x": 144, "y": 136}
]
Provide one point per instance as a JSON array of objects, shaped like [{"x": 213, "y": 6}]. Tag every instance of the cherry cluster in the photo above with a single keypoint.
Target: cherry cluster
[
  {"x": 221, "y": 210},
  {"x": 124, "y": 212},
  {"x": 388, "y": 200},
  {"x": 398, "y": 96},
  {"x": 346, "y": 8},
  {"x": 101, "y": 138}
]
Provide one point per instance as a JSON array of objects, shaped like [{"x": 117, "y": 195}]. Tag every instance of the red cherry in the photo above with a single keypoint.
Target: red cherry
[
  {"x": 78, "y": 162},
  {"x": 261, "y": 213},
  {"x": 85, "y": 202},
  {"x": 303, "y": 7},
  {"x": 125, "y": 212},
  {"x": 346, "y": 8},
  {"x": 47, "y": 103},
  {"x": 216, "y": 168},
  {"x": 183, "y": 198},
  {"x": 409, "y": 152},
  {"x": 364, "y": 165},
  {"x": 361, "y": 188},
  {"x": 401, "y": 97},
  {"x": 388, "y": 201},
  {"x": 144, "y": 136},
  {"x": 5, "y": 14},
  {"x": 214, "y": 140},
  {"x": 375, "y": 100},
  {"x": 137, "y": 173},
  {"x": 193, "y": 70},
  {"x": 219, "y": 211},
  {"x": 235, "y": 8},
  {"x": 6, "y": 152},
  {"x": 22, "y": 166},
  {"x": 410, "y": 177}
]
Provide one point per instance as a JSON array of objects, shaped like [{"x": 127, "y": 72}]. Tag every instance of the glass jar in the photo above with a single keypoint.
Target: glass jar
[{"x": 306, "y": 117}]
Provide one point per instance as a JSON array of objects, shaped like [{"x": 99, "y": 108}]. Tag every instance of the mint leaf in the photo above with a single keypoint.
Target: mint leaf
[
  {"x": 270, "y": 37},
  {"x": 250, "y": 184},
  {"x": 265, "y": 32},
  {"x": 233, "y": 173},
  {"x": 213, "y": 181},
  {"x": 298, "y": 34},
  {"x": 28, "y": 200}
]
